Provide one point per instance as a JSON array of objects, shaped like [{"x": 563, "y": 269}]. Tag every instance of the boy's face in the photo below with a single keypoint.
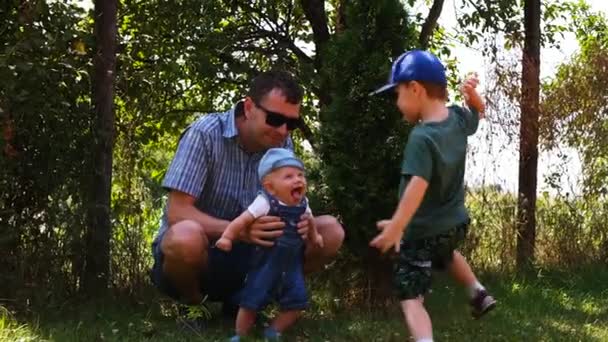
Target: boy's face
[
  {"x": 409, "y": 100},
  {"x": 288, "y": 184}
]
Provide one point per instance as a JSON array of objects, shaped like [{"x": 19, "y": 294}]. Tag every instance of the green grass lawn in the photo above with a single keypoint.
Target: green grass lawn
[{"x": 551, "y": 306}]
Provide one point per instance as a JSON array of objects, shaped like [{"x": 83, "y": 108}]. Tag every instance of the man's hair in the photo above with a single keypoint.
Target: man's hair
[
  {"x": 434, "y": 90},
  {"x": 265, "y": 82}
]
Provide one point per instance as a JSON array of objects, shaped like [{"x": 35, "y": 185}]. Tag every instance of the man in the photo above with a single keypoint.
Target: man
[{"x": 212, "y": 179}]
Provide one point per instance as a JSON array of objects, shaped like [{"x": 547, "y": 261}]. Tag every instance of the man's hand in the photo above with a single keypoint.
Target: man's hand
[
  {"x": 224, "y": 244},
  {"x": 263, "y": 230},
  {"x": 306, "y": 222},
  {"x": 389, "y": 237},
  {"x": 471, "y": 96}
]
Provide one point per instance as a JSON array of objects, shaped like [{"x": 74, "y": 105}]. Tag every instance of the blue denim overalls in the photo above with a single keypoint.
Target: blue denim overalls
[{"x": 276, "y": 272}]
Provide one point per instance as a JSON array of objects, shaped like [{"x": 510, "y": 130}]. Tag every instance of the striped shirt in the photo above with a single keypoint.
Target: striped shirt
[{"x": 210, "y": 165}]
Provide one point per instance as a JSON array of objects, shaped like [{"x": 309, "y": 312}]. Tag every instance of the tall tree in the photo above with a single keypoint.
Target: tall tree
[
  {"x": 528, "y": 139},
  {"x": 361, "y": 136},
  {"x": 501, "y": 26},
  {"x": 99, "y": 225}
]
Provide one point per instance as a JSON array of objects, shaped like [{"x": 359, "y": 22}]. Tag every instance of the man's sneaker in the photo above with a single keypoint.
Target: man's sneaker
[
  {"x": 482, "y": 304},
  {"x": 193, "y": 318}
]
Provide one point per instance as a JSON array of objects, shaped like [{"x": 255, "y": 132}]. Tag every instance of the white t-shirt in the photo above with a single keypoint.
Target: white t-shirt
[{"x": 260, "y": 207}]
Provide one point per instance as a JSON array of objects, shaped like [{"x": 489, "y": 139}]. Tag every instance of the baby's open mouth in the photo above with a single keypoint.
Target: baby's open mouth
[{"x": 297, "y": 193}]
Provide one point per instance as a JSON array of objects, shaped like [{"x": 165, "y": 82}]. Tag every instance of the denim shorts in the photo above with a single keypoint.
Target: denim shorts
[{"x": 224, "y": 277}]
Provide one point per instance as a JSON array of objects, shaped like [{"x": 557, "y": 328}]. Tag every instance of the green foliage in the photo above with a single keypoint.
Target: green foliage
[
  {"x": 570, "y": 230},
  {"x": 575, "y": 106},
  {"x": 11, "y": 330},
  {"x": 361, "y": 137},
  {"x": 485, "y": 21},
  {"x": 44, "y": 101}
]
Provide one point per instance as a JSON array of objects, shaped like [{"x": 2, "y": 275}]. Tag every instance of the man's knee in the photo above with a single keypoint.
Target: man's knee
[
  {"x": 185, "y": 242},
  {"x": 332, "y": 232}
]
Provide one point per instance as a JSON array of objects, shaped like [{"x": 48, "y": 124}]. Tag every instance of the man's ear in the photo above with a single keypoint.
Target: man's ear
[{"x": 248, "y": 107}]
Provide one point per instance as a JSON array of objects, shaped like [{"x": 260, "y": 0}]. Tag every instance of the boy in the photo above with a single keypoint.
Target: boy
[
  {"x": 431, "y": 213},
  {"x": 276, "y": 272}
]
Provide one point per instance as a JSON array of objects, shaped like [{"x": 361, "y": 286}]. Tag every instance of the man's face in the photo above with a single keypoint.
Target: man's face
[
  {"x": 272, "y": 117},
  {"x": 408, "y": 100},
  {"x": 288, "y": 184}
]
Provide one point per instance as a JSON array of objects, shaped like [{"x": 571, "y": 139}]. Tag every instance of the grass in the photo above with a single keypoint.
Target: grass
[{"x": 548, "y": 306}]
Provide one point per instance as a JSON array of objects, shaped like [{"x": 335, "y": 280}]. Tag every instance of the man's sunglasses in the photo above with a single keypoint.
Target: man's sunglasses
[{"x": 275, "y": 119}]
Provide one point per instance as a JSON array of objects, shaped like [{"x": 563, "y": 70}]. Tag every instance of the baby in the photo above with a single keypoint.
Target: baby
[{"x": 276, "y": 272}]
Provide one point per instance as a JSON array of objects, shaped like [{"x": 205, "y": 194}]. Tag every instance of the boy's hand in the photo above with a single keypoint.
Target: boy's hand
[
  {"x": 389, "y": 237},
  {"x": 470, "y": 94}
]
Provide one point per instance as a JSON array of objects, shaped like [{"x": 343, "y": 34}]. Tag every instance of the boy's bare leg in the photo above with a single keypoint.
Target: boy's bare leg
[
  {"x": 285, "y": 319},
  {"x": 481, "y": 301},
  {"x": 461, "y": 271},
  {"x": 417, "y": 319},
  {"x": 245, "y": 319}
]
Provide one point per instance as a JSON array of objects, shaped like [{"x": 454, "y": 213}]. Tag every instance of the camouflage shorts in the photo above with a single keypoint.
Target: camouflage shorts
[{"x": 412, "y": 269}]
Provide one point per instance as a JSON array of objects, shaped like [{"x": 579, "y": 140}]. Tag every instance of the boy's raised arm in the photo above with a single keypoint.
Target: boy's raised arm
[{"x": 471, "y": 96}]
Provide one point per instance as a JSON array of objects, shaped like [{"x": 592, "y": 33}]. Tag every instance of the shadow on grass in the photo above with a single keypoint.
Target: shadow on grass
[{"x": 546, "y": 306}]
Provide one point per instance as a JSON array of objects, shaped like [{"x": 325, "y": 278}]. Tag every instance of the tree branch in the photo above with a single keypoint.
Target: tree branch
[
  {"x": 314, "y": 10},
  {"x": 430, "y": 23}
]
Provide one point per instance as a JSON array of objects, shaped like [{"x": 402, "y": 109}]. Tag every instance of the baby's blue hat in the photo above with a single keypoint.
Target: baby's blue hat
[{"x": 276, "y": 158}]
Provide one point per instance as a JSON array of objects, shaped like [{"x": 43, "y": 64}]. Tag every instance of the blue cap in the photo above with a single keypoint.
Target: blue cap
[
  {"x": 276, "y": 158},
  {"x": 415, "y": 65}
]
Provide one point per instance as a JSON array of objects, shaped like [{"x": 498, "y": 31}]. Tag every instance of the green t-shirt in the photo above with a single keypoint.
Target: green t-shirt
[{"x": 436, "y": 151}]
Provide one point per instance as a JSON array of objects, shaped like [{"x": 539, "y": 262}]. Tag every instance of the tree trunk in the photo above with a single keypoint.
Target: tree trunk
[
  {"x": 528, "y": 143},
  {"x": 380, "y": 287},
  {"x": 341, "y": 17},
  {"x": 430, "y": 24},
  {"x": 97, "y": 261},
  {"x": 314, "y": 10}
]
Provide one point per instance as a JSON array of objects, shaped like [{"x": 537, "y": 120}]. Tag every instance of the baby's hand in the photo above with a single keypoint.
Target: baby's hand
[
  {"x": 470, "y": 94},
  {"x": 318, "y": 240},
  {"x": 224, "y": 244}
]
